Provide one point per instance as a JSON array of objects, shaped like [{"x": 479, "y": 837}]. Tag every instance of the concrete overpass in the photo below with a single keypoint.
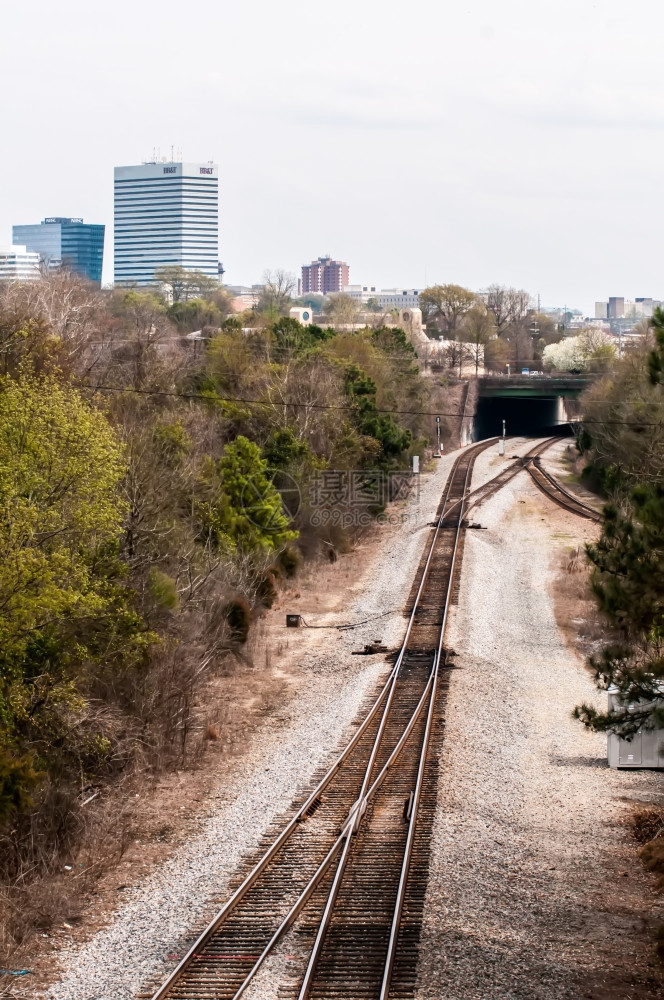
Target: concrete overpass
[{"x": 529, "y": 404}]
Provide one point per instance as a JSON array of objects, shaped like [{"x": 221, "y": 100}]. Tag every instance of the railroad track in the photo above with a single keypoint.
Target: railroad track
[
  {"x": 550, "y": 486},
  {"x": 349, "y": 869},
  {"x": 488, "y": 489},
  {"x": 556, "y": 492}
]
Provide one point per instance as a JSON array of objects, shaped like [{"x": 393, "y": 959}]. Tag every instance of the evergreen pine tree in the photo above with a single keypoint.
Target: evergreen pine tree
[{"x": 628, "y": 581}]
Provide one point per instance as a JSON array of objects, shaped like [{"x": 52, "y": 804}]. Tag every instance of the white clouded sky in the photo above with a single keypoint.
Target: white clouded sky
[{"x": 519, "y": 141}]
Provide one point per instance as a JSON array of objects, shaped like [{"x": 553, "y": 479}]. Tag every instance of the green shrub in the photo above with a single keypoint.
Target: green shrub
[
  {"x": 17, "y": 779},
  {"x": 283, "y": 447},
  {"x": 163, "y": 589}
]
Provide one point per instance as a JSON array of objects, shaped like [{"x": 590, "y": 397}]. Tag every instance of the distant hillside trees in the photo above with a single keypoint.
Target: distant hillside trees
[
  {"x": 499, "y": 323},
  {"x": 153, "y": 493},
  {"x": 445, "y": 306}
]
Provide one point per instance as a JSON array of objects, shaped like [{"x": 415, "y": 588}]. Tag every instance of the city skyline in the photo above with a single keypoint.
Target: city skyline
[
  {"x": 528, "y": 156},
  {"x": 30, "y": 237}
]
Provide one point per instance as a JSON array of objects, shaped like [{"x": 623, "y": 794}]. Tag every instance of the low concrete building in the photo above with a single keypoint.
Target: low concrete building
[
  {"x": 18, "y": 264},
  {"x": 385, "y": 298}
]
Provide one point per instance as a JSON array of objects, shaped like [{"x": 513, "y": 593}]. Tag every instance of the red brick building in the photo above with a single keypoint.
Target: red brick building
[{"x": 325, "y": 275}]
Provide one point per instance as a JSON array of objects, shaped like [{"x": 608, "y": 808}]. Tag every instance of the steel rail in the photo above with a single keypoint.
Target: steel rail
[
  {"x": 425, "y": 573},
  {"x": 345, "y": 834},
  {"x": 360, "y": 805},
  {"x": 486, "y": 490},
  {"x": 274, "y": 848},
  {"x": 341, "y": 867},
  {"x": 252, "y": 877},
  {"x": 590, "y": 512},
  {"x": 405, "y": 867}
]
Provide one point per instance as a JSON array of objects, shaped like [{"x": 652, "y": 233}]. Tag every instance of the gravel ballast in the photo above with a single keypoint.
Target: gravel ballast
[
  {"x": 157, "y": 916},
  {"x": 535, "y": 890}
]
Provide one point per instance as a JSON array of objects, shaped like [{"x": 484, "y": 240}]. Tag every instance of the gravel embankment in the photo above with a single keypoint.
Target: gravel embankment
[
  {"x": 535, "y": 890},
  {"x": 155, "y": 918}
]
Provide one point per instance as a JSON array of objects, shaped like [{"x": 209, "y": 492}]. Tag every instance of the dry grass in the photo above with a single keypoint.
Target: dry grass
[
  {"x": 652, "y": 855},
  {"x": 585, "y": 632},
  {"x": 648, "y": 829},
  {"x": 52, "y": 893},
  {"x": 575, "y": 606},
  {"x": 647, "y": 823}
]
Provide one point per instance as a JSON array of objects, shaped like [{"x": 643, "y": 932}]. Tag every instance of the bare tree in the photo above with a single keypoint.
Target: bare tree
[
  {"x": 454, "y": 354},
  {"x": 508, "y": 305},
  {"x": 141, "y": 340},
  {"x": 187, "y": 284},
  {"x": 341, "y": 309},
  {"x": 478, "y": 328},
  {"x": 278, "y": 287},
  {"x": 61, "y": 308}
]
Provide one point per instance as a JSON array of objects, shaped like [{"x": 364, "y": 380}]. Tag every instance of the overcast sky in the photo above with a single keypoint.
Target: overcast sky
[{"x": 517, "y": 141}]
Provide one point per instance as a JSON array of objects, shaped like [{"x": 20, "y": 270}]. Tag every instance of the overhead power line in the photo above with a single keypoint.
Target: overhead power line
[
  {"x": 260, "y": 402},
  {"x": 331, "y": 406}
]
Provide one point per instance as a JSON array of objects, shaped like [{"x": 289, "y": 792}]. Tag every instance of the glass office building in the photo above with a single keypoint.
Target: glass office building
[
  {"x": 166, "y": 214},
  {"x": 64, "y": 242}
]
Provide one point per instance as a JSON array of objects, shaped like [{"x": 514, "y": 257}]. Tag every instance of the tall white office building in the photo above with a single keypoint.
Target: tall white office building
[{"x": 165, "y": 214}]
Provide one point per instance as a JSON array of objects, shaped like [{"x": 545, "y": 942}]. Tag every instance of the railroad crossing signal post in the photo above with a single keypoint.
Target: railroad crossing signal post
[
  {"x": 501, "y": 443},
  {"x": 438, "y": 453}
]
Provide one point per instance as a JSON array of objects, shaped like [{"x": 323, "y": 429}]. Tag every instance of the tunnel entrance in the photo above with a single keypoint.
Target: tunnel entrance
[{"x": 525, "y": 416}]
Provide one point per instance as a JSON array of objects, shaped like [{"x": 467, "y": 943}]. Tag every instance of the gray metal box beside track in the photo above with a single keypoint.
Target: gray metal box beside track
[{"x": 645, "y": 749}]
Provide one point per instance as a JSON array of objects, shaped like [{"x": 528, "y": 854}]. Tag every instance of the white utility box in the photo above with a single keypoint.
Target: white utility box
[{"x": 645, "y": 749}]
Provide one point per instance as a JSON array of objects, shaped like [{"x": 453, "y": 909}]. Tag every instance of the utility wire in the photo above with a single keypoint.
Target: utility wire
[
  {"x": 260, "y": 402},
  {"x": 341, "y": 628},
  {"x": 331, "y": 406}
]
